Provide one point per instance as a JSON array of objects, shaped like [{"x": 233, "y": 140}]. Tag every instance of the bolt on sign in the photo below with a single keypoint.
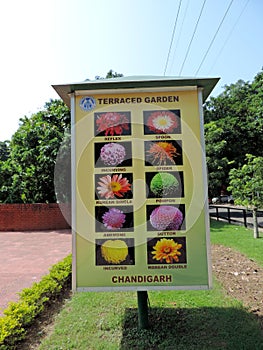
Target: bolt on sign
[{"x": 139, "y": 185}]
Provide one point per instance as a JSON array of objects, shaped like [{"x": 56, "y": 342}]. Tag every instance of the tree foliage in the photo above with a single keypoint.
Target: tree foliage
[
  {"x": 36, "y": 165},
  {"x": 233, "y": 128},
  {"x": 4, "y": 150},
  {"x": 28, "y": 171},
  {"x": 109, "y": 75},
  {"x": 112, "y": 74},
  {"x": 246, "y": 185}
]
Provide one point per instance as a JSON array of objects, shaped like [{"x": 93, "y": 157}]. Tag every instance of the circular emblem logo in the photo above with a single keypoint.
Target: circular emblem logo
[{"x": 87, "y": 103}]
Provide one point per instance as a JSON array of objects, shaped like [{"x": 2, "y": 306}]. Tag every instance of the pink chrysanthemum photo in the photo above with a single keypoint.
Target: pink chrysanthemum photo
[
  {"x": 166, "y": 217},
  {"x": 112, "y": 154},
  {"x": 162, "y": 122},
  {"x": 113, "y": 186},
  {"x": 114, "y": 219}
]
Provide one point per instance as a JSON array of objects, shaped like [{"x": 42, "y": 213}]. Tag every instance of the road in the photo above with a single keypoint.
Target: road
[{"x": 236, "y": 214}]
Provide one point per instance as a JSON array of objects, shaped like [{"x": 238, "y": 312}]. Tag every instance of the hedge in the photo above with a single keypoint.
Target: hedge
[{"x": 19, "y": 315}]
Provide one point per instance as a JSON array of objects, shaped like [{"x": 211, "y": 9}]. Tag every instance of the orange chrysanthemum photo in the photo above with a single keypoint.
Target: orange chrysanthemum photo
[
  {"x": 163, "y": 153},
  {"x": 167, "y": 251}
]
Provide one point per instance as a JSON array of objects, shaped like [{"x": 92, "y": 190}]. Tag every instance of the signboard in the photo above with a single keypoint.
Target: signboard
[{"x": 140, "y": 212}]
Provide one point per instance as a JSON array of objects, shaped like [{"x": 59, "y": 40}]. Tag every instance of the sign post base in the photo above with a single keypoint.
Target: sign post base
[{"x": 142, "y": 298}]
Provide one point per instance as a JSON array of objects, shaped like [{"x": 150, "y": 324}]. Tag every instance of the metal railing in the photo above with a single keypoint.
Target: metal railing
[{"x": 233, "y": 214}]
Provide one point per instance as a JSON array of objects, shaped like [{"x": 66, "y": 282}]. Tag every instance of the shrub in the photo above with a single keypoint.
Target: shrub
[{"x": 21, "y": 314}]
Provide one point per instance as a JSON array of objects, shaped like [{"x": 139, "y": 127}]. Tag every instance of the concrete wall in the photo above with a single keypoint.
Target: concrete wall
[{"x": 29, "y": 217}]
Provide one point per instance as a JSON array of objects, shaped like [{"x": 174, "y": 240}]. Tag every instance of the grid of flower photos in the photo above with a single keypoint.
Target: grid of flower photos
[{"x": 164, "y": 211}]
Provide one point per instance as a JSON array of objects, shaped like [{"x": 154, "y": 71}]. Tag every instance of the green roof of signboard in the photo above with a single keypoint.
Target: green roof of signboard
[{"x": 136, "y": 82}]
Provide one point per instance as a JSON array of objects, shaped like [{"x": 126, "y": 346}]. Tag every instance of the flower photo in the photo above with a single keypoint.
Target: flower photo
[
  {"x": 165, "y": 217},
  {"x": 166, "y": 250},
  {"x": 164, "y": 184},
  {"x": 117, "y": 218},
  {"x": 114, "y": 186},
  {"x": 163, "y": 152},
  {"x": 112, "y": 123},
  {"x": 113, "y": 219},
  {"x": 112, "y": 154},
  {"x": 162, "y": 122},
  {"x": 115, "y": 251}
]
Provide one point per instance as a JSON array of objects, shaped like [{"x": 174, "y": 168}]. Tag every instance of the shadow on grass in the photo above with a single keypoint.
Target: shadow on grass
[{"x": 192, "y": 329}]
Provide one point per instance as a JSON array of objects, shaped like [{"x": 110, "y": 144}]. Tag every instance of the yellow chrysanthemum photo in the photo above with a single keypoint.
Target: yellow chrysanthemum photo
[
  {"x": 114, "y": 251},
  {"x": 167, "y": 250}
]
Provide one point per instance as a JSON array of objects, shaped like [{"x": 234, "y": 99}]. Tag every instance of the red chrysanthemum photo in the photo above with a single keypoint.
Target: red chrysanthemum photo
[{"x": 112, "y": 123}]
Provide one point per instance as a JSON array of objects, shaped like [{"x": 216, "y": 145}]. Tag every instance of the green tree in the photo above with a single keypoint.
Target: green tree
[
  {"x": 109, "y": 75},
  {"x": 112, "y": 74},
  {"x": 246, "y": 185},
  {"x": 4, "y": 150},
  {"x": 233, "y": 128},
  {"x": 33, "y": 152},
  {"x": 217, "y": 162},
  {"x": 4, "y": 170}
]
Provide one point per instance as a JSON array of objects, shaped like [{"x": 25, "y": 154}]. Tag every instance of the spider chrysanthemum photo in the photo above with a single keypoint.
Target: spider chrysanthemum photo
[
  {"x": 112, "y": 123},
  {"x": 161, "y": 153},
  {"x": 113, "y": 186},
  {"x": 162, "y": 122},
  {"x": 167, "y": 251}
]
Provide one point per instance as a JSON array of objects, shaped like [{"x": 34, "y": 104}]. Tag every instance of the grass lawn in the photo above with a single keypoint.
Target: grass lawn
[
  {"x": 178, "y": 319},
  {"x": 239, "y": 238}
]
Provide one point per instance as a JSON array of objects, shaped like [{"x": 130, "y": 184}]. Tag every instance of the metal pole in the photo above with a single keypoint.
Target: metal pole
[
  {"x": 142, "y": 298},
  {"x": 228, "y": 215},
  {"x": 245, "y": 217}
]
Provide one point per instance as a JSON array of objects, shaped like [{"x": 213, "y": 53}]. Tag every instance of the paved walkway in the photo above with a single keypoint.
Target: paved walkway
[{"x": 27, "y": 256}]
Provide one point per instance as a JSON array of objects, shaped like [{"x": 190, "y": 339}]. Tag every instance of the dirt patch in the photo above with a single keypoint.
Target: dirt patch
[{"x": 241, "y": 278}]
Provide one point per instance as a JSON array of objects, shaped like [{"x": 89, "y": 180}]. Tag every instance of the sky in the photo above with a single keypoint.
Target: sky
[{"x": 51, "y": 42}]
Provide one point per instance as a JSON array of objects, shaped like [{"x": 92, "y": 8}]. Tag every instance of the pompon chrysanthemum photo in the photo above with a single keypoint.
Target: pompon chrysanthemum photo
[
  {"x": 163, "y": 153},
  {"x": 112, "y": 123},
  {"x": 164, "y": 184},
  {"x": 113, "y": 186},
  {"x": 162, "y": 122},
  {"x": 167, "y": 251}
]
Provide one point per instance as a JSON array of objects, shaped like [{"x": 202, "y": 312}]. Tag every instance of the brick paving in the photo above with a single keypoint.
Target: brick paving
[{"x": 27, "y": 256}]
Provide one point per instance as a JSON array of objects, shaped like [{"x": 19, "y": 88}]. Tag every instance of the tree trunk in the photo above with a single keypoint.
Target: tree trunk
[{"x": 255, "y": 223}]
